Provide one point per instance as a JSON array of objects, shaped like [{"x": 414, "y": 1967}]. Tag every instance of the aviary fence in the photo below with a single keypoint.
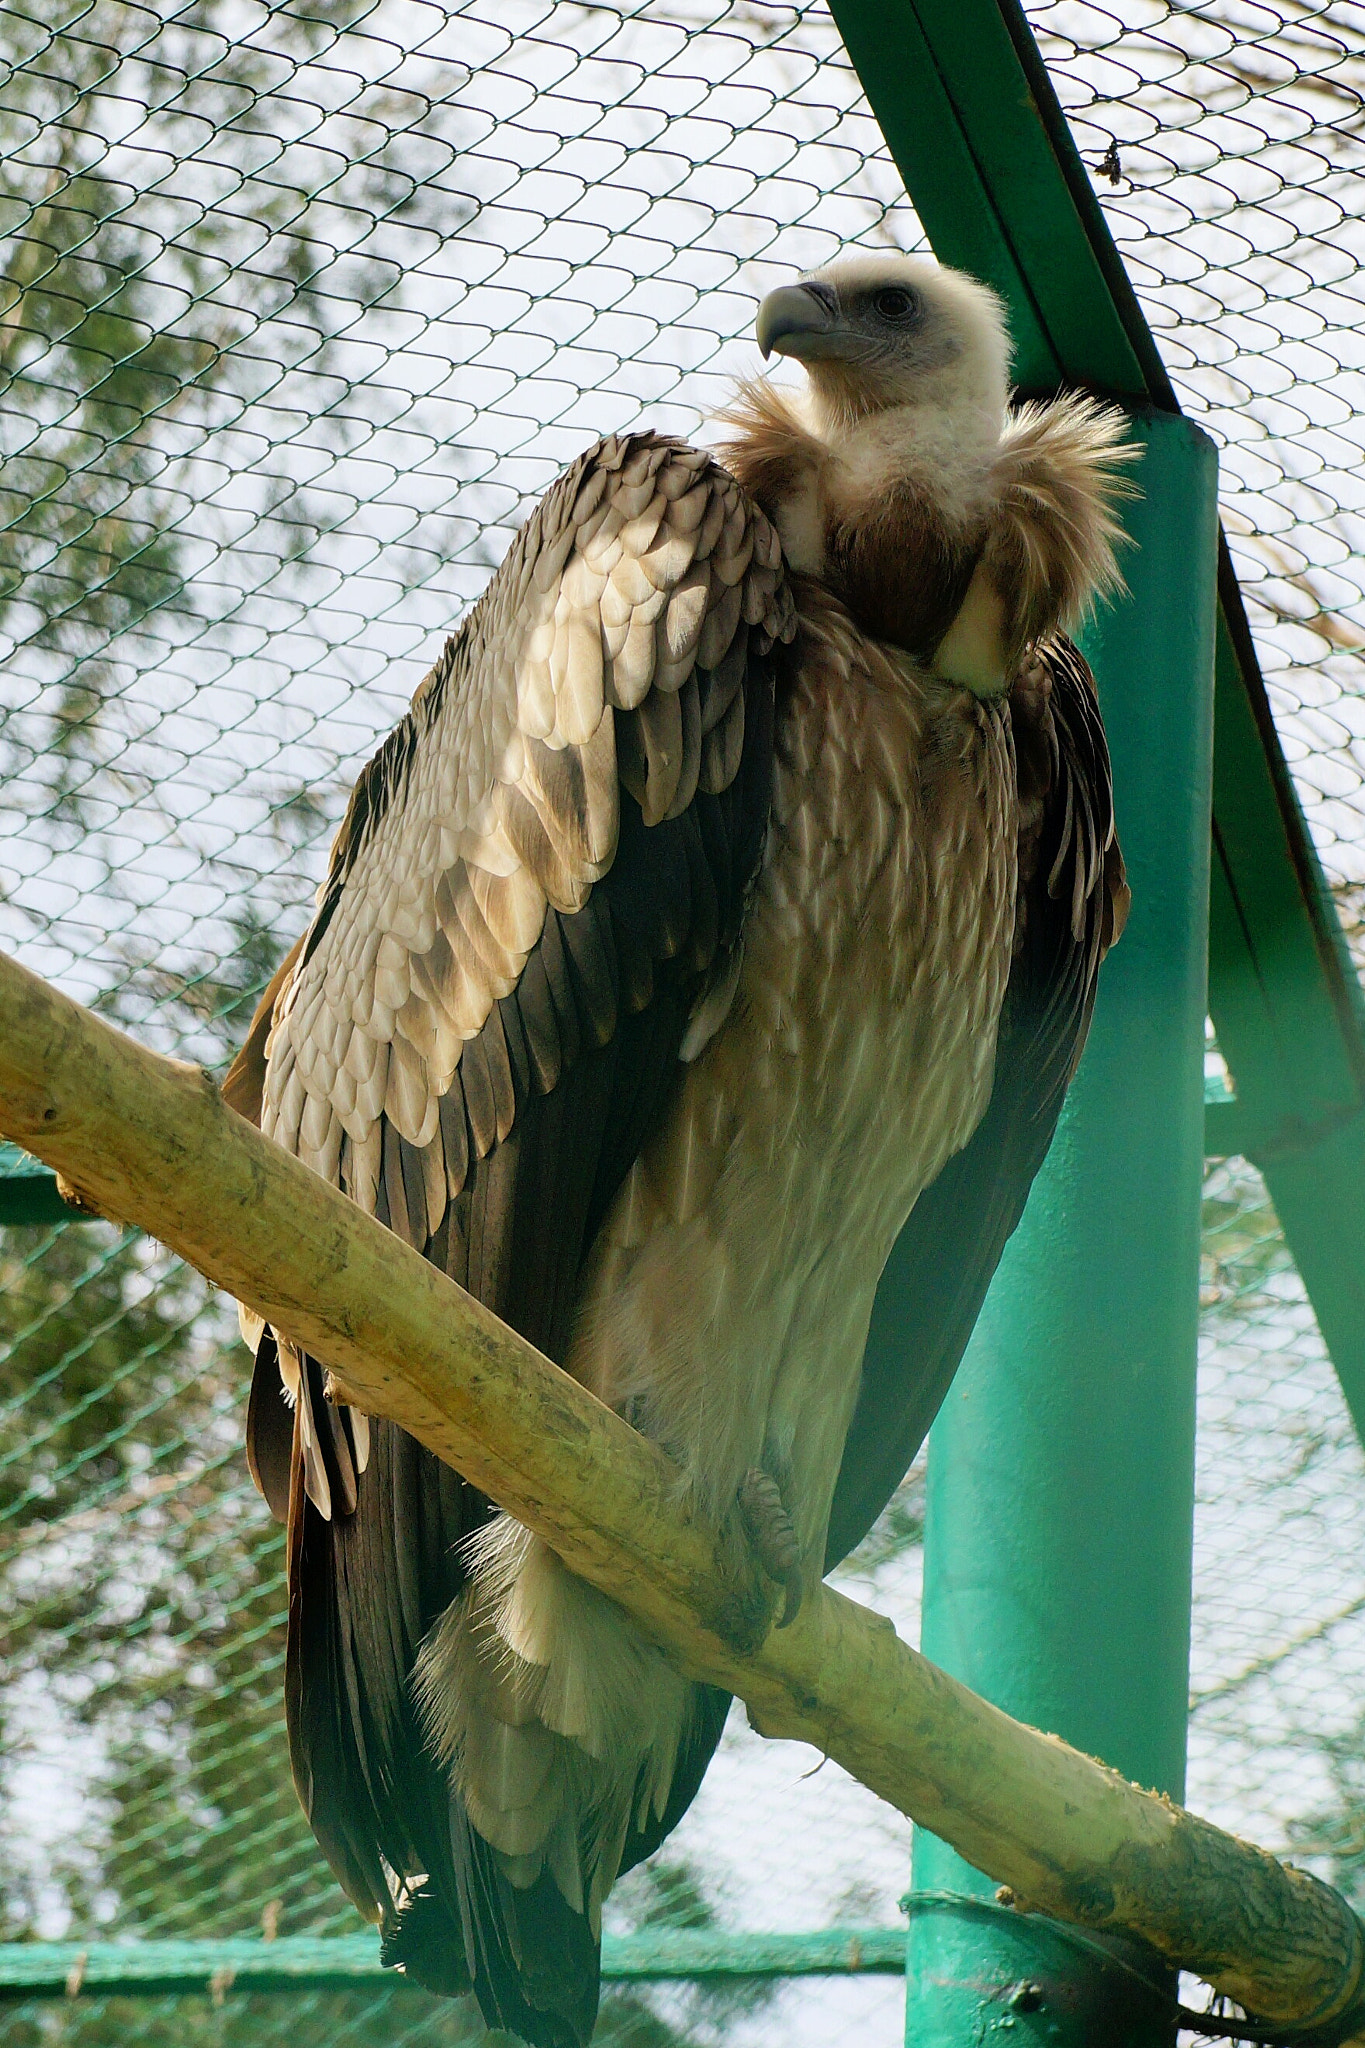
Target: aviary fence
[{"x": 301, "y": 309}]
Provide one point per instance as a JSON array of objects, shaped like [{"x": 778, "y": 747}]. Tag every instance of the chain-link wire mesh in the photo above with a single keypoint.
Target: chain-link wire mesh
[{"x": 301, "y": 307}]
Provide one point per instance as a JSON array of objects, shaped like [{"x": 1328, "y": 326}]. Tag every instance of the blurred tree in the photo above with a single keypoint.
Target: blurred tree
[
  {"x": 1334, "y": 1834},
  {"x": 181, "y": 231},
  {"x": 141, "y": 1607}
]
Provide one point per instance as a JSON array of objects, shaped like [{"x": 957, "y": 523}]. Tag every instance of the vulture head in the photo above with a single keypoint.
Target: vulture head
[
  {"x": 950, "y": 526},
  {"x": 876, "y": 331}
]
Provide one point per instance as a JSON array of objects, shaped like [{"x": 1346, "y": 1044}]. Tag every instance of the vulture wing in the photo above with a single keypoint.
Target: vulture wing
[
  {"x": 1072, "y": 903},
  {"x": 541, "y": 875}
]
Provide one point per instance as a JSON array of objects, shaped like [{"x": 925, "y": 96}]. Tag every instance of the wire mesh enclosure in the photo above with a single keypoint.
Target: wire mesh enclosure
[{"x": 300, "y": 309}]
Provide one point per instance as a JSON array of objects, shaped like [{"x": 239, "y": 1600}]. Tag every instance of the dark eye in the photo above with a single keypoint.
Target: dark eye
[{"x": 894, "y": 302}]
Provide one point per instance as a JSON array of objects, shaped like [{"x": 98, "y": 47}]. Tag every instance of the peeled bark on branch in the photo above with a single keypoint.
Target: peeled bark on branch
[{"x": 149, "y": 1141}]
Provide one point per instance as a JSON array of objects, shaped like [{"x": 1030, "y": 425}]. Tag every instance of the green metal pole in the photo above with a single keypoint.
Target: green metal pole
[{"x": 1060, "y": 1503}]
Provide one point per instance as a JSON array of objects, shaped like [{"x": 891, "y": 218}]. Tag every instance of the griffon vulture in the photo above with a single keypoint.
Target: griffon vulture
[{"x": 735, "y": 886}]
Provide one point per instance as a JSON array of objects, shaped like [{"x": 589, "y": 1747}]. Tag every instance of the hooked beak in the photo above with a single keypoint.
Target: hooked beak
[{"x": 797, "y": 320}]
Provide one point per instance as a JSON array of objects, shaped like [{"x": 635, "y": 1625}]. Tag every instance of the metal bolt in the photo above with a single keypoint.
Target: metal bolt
[{"x": 1026, "y": 1996}]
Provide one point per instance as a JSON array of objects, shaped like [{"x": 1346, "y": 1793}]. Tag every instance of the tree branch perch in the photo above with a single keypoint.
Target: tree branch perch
[{"x": 149, "y": 1141}]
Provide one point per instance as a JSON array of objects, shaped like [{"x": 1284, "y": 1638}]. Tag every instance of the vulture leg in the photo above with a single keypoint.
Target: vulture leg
[{"x": 773, "y": 1535}]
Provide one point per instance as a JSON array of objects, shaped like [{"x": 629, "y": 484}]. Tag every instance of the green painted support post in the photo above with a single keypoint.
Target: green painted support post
[{"x": 1061, "y": 1467}]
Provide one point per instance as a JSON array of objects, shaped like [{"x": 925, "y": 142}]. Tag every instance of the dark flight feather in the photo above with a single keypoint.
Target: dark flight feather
[
  {"x": 529, "y": 1212},
  {"x": 270, "y": 1430}
]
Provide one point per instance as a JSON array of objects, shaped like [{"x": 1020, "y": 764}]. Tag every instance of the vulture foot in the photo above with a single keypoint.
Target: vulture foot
[{"x": 773, "y": 1536}]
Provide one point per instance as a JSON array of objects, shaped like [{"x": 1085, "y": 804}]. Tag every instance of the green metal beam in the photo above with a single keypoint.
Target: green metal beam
[
  {"x": 57, "y": 1969},
  {"x": 980, "y": 1973},
  {"x": 1060, "y": 1507},
  {"x": 964, "y": 103},
  {"x": 28, "y": 1191},
  {"x": 968, "y": 112},
  {"x": 1287, "y": 1007}
]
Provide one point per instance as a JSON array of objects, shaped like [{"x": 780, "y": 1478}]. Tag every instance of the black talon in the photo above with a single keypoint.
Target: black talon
[{"x": 772, "y": 1533}]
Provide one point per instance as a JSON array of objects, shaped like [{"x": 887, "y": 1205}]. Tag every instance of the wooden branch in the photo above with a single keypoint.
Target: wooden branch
[{"x": 149, "y": 1141}]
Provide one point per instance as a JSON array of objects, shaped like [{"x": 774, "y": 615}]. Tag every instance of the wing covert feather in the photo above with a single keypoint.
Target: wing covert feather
[{"x": 615, "y": 637}]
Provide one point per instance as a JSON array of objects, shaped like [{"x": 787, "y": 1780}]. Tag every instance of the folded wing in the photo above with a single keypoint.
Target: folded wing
[{"x": 540, "y": 878}]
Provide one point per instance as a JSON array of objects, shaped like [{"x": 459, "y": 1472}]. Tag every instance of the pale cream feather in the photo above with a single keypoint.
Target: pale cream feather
[{"x": 1056, "y": 482}]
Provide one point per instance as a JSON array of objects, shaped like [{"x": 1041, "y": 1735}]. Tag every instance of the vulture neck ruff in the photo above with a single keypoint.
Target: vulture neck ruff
[{"x": 889, "y": 511}]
